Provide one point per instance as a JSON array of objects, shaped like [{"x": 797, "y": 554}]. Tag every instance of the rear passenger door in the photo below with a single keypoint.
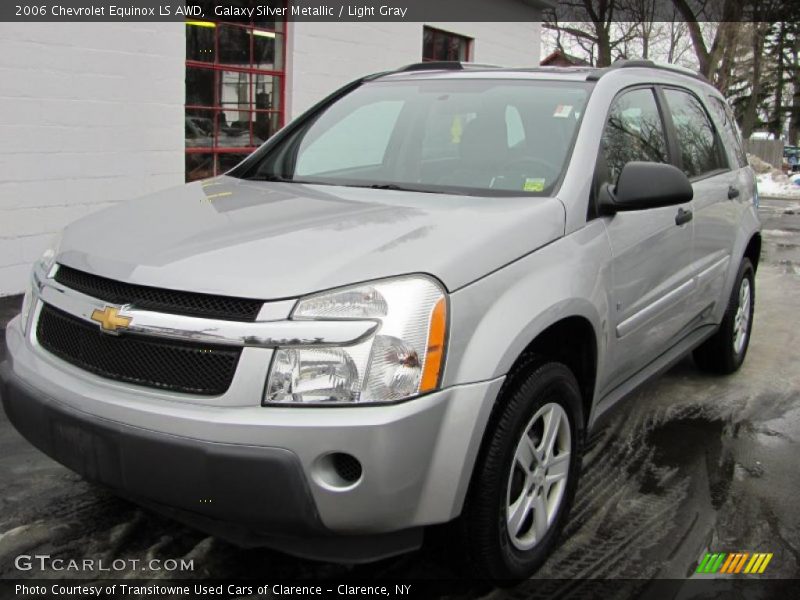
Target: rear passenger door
[
  {"x": 701, "y": 154},
  {"x": 651, "y": 255}
]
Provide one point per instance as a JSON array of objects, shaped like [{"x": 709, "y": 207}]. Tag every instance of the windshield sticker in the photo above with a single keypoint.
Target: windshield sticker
[
  {"x": 533, "y": 184},
  {"x": 563, "y": 111}
]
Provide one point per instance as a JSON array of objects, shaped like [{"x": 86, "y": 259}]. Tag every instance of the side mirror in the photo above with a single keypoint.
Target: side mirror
[{"x": 643, "y": 185}]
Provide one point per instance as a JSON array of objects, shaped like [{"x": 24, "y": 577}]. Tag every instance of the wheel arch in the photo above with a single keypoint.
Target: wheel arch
[
  {"x": 753, "y": 250},
  {"x": 572, "y": 341}
]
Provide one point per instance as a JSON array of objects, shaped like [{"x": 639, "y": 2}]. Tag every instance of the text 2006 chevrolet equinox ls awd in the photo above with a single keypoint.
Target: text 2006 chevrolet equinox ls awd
[{"x": 407, "y": 308}]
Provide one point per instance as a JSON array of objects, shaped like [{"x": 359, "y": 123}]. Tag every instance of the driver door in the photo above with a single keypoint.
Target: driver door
[{"x": 652, "y": 281}]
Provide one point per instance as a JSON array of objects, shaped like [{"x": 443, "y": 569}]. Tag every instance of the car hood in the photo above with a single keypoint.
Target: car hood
[{"x": 280, "y": 240}]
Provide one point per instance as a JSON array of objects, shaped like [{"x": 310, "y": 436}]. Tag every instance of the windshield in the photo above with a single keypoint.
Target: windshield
[{"x": 442, "y": 135}]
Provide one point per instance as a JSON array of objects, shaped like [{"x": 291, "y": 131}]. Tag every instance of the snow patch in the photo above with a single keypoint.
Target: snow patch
[{"x": 778, "y": 185}]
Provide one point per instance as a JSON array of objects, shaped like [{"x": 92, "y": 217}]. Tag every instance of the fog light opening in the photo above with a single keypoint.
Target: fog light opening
[
  {"x": 347, "y": 467},
  {"x": 338, "y": 470}
]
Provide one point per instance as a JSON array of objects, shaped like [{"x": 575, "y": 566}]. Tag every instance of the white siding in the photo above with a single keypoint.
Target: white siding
[
  {"x": 90, "y": 114},
  {"x": 325, "y": 56}
]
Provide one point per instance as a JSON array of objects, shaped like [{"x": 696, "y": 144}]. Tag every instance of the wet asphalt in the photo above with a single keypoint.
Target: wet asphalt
[{"x": 690, "y": 463}]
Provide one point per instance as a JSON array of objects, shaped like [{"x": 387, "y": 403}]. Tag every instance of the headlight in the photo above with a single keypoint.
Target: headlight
[
  {"x": 27, "y": 302},
  {"x": 404, "y": 359},
  {"x": 45, "y": 265},
  {"x": 48, "y": 258}
]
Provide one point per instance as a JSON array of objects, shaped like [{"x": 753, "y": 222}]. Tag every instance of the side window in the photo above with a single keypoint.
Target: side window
[
  {"x": 634, "y": 132},
  {"x": 697, "y": 141},
  {"x": 358, "y": 140},
  {"x": 733, "y": 136}
]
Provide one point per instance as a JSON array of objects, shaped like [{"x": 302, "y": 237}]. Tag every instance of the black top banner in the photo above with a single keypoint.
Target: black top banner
[{"x": 399, "y": 10}]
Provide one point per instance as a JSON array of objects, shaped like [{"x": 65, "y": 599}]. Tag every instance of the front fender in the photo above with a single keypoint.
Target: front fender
[{"x": 495, "y": 318}]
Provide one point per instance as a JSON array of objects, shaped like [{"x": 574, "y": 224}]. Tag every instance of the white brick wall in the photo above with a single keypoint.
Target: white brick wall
[
  {"x": 90, "y": 114},
  {"x": 325, "y": 56}
]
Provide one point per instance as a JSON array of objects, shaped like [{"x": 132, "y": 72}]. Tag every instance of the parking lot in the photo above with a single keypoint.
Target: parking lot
[{"x": 691, "y": 464}]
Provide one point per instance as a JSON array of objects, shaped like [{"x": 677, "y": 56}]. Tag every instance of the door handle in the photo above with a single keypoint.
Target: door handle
[
  {"x": 683, "y": 217},
  {"x": 733, "y": 192}
]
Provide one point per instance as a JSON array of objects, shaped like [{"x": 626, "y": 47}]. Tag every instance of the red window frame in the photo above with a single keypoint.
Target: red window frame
[
  {"x": 448, "y": 37},
  {"x": 218, "y": 108}
]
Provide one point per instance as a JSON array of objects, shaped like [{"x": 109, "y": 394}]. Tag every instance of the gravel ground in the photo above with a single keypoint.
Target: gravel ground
[{"x": 691, "y": 463}]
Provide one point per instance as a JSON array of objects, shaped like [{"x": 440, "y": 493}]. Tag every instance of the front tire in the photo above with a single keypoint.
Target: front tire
[
  {"x": 526, "y": 474},
  {"x": 724, "y": 352}
]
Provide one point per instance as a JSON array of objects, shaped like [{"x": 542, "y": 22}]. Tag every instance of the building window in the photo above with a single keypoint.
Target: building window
[
  {"x": 234, "y": 91},
  {"x": 442, "y": 45}
]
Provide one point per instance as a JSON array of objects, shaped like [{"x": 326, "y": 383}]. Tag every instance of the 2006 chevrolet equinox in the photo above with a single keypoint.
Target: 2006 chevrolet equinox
[{"x": 407, "y": 308}]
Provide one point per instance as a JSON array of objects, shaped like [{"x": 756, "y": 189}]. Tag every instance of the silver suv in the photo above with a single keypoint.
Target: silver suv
[{"x": 407, "y": 308}]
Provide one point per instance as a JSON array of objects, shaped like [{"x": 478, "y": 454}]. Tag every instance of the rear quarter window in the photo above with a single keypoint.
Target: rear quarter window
[
  {"x": 700, "y": 149},
  {"x": 730, "y": 130}
]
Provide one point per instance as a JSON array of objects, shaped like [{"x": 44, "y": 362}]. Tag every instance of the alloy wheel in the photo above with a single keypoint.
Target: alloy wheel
[
  {"x": 741, "y": 321},
  {"x": 538, "y": 478}
]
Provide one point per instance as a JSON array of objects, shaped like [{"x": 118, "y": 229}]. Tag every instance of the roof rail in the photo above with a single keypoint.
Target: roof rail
[
  {"x": 647, "y": 64},
  {"x": 444, "y": 65}
]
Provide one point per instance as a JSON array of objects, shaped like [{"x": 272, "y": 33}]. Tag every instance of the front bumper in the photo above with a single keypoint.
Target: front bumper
[{"x": 247, "y": 472}]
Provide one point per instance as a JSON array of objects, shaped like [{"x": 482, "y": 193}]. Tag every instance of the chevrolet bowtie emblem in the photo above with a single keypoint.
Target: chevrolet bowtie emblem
[{"x": 109, "y": 319}]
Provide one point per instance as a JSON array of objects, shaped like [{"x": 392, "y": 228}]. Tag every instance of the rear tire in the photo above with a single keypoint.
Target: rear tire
[
  {"x": 724, "y": 352},
  {"x": 526, "y": 474}
]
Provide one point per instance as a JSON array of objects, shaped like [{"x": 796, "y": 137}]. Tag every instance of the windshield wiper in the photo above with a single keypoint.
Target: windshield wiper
[
  {"x": 394, "y": 187},
  {"x": 372, "y": 186},
  {"x": 272, "y": 177}
]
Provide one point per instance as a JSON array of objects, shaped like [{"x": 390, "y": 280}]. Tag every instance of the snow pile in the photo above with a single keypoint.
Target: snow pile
[
  {"x": 772, "y": 182},
  {"x": 759, "y": 166},
  {"x": 777, "y": 185}
]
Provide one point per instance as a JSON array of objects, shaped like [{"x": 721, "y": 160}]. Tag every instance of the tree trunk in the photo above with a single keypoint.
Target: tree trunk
[
  {"x": 697, "y": 36},
  {"x": 794, "y": 69},
  {"x": 750, "y": 111},
  {"x": 709, "y": 58},
  {"x": 777, "y": 118},
  {"x": 674, "y": 39},
  {"x": 730, "y": 37},
  {"x": 794, "y": 120},
  {"x": 603, "y": 46}
]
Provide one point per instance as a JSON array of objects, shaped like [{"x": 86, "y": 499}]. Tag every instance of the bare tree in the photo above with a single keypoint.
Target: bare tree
[
  {"x": 601, "y": 31},
  {"x": 678, "y": 44},
  {"x": 594, "y": 30},
  {"x": 758, "y": 32},
  {"x": 748, "y": 49},
  {"x": 728, "y": 13},
  {"x": 647, "y": 28}
]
